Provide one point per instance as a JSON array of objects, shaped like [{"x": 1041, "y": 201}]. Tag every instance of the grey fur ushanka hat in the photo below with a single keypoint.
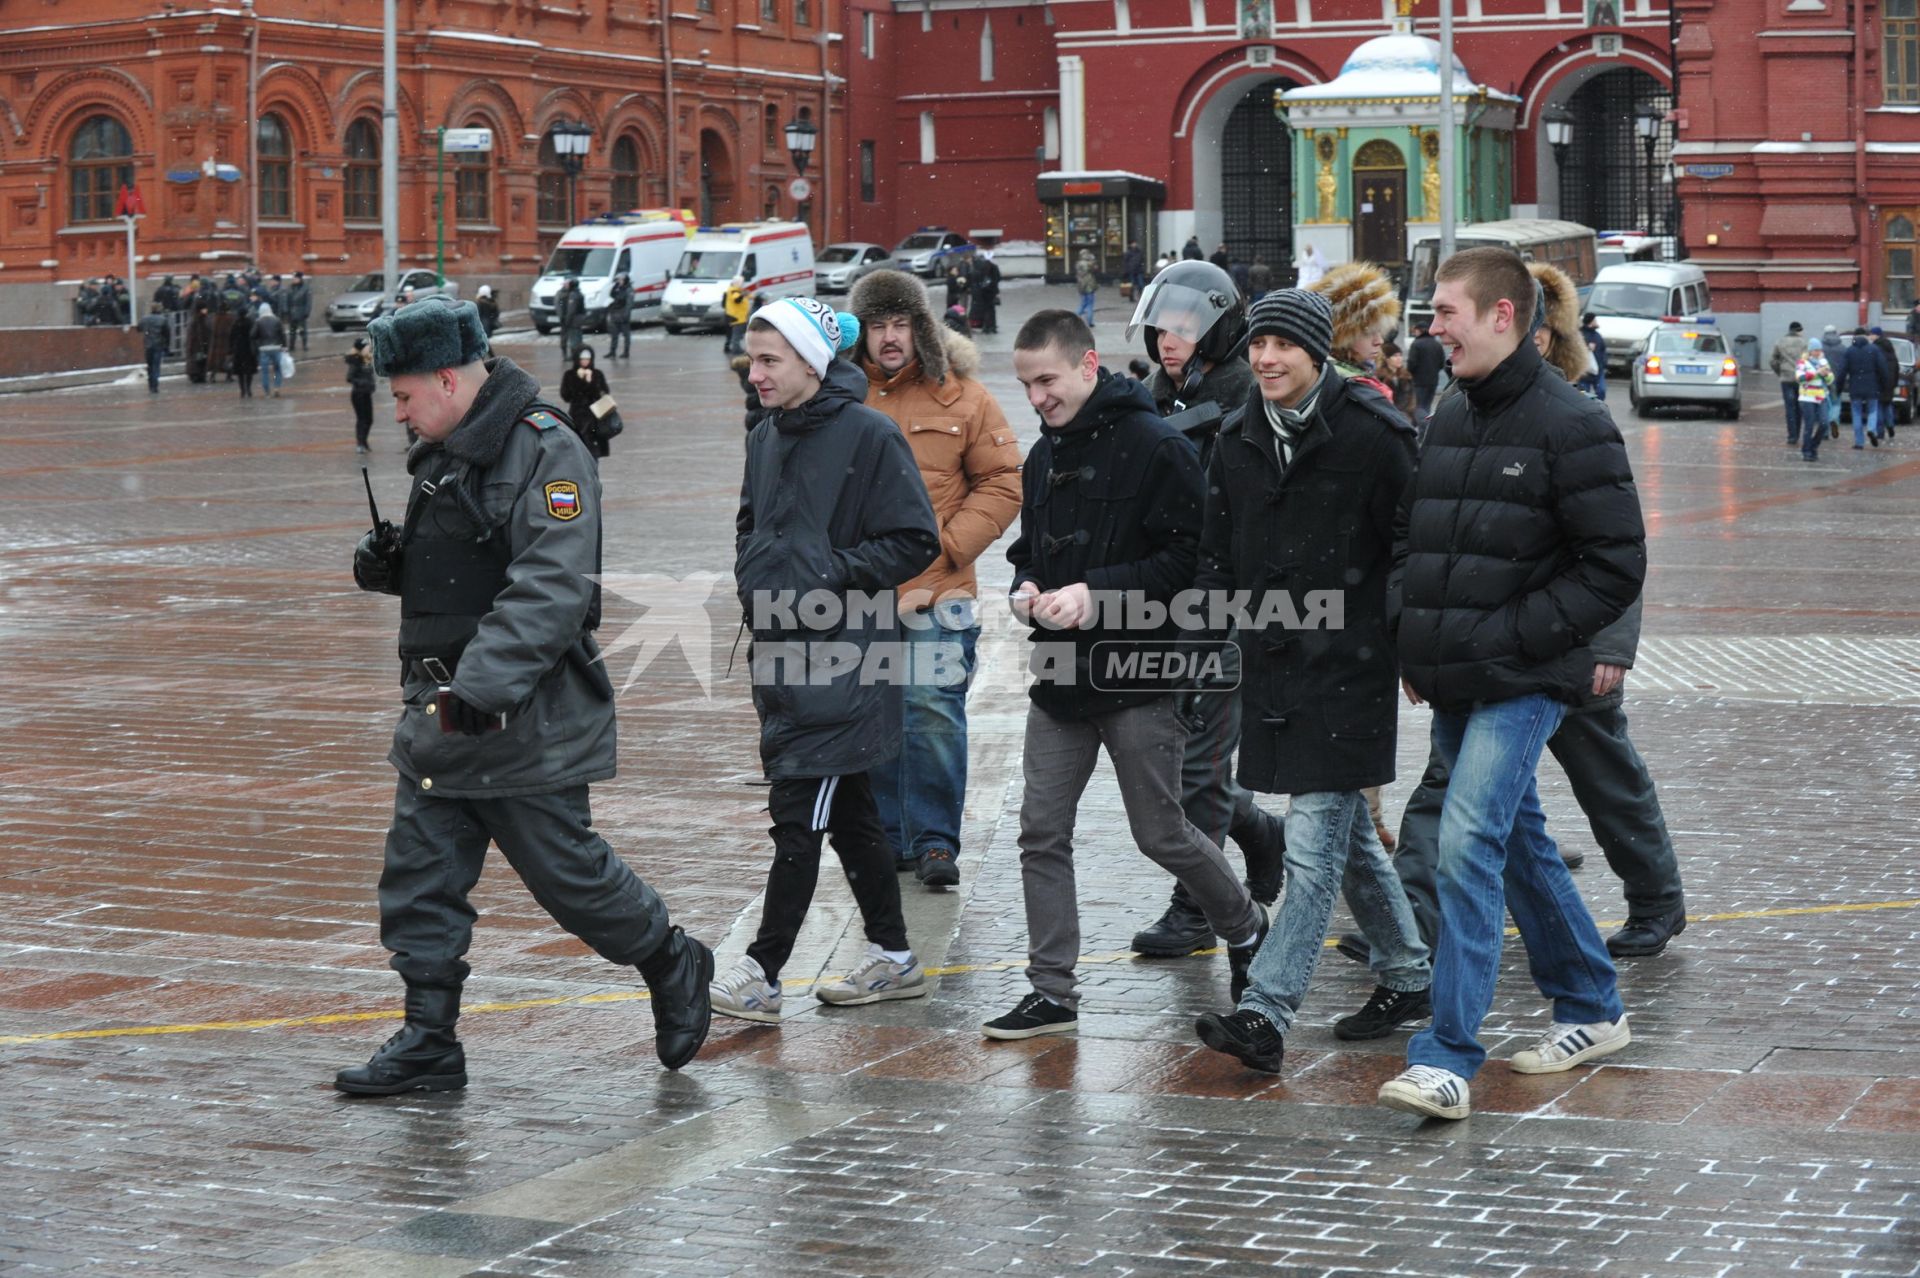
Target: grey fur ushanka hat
[{"x": 426, "y": 336}]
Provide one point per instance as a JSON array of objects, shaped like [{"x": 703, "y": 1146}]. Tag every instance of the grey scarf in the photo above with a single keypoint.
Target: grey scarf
[{"x": 1289, "y": 424}]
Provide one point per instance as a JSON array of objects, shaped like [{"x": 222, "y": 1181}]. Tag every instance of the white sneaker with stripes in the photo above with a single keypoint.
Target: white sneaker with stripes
[
  {"x": 1568, "y": 1045},
  {"x": 1428, "y": 1091},
  {"x": 877, "y": 980},
  {"x": 743, "y": 991}
]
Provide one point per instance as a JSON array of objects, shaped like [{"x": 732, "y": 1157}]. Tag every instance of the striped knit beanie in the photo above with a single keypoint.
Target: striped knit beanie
[{"x": 1299, "y": 316}]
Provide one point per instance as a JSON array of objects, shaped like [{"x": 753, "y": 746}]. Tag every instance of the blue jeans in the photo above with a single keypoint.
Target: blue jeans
[
  {"x": 1496, "y": 857},
  {"x": 269, "y": 369},
  {"x": 1866, "y": 420},
  {"x": 921, "y": 793},
  {"x": 1331, "y": 844},
  {"x": 1790, "y": 396},
  {"x": 1086, "y": 307}
]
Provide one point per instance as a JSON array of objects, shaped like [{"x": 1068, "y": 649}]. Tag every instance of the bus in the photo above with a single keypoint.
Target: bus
[{"x": 1567, "y": 245}]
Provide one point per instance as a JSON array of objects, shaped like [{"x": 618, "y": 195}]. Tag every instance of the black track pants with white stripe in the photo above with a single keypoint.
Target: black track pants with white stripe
[{"x": 803, "y": 811}]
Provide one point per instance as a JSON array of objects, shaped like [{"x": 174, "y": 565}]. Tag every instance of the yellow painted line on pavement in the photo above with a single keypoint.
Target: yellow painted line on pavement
[{"x": 629, "y": 996}]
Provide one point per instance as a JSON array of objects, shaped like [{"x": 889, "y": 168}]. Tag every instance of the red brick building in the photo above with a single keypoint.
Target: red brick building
[{"x": 96, "y": 93}]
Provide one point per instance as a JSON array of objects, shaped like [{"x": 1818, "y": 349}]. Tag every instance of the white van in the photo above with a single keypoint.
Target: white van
[
  {"x": 643, "y": 245},
  {"x": 775, "y": 259},
  {"x": 1629, "y": 301}
]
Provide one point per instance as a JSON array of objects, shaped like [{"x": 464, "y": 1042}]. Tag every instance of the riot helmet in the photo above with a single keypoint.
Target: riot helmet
[{"x": 1196, "y": 301}]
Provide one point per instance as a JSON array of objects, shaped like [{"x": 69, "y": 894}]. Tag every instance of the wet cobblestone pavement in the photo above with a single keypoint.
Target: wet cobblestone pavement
[{"x": 195, "y": 794}]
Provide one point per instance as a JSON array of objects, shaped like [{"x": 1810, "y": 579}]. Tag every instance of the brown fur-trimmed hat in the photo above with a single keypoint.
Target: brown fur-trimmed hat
[
  {"x": 1567, "y": 350},
  {"x": 1363, "y": 301},
  {"x": 890, "y": 292}
]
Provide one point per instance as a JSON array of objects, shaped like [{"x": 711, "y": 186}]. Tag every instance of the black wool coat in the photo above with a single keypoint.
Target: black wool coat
[
  {"x": 1320, "y": 702},
  {"x": 1520, "y": 540}
]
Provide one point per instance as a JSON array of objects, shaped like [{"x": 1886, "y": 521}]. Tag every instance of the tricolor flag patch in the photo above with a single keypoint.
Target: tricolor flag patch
[{"x": 563, "y": 499}]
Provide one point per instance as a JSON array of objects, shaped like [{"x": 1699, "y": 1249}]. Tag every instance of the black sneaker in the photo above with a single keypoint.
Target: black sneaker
[
  {"x": 937, "y": 869},
  {"x": 1385, "y": 1012},
  {"x": 1263, "y": 838},
  {"x": 1246, "y": 1036},
  {"x": 1034, "y": 1015},
  {"x": 1240, "y": 957},
  {"x": 1646, "y": 936},
  {"x": 1177, "y": 933}
]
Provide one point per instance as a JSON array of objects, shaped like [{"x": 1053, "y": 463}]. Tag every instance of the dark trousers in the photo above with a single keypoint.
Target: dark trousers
[
  {"x": 435, "y": 852},
  {"x": 1790, "y": 396},
  {"x": 736, "y": 339},
  {"x": 803, "y": 810},
  {"x": 297, "y": 332},
  {"x": 571, "y": 340},
  {"x": 362, "y": 415},
  {"x": 619, "y": 333},
  {"x": 153, "y": 369},
  {"x": 1611, "y": 784}
]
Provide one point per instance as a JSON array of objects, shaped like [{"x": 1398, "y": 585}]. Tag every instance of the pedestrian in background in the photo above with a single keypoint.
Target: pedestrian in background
[
  {"x": 489, "y": 309},
  {"x": 1259, "y": 279},
  {"x": 199, "y": 337},
  {"x": 1560, "y": 554},
  {"x": 620, "y": 317},
  {"x": 828, "y": 481},
  {"x": 957, "y": 289},
  {"x": 1089, "y": 285},
  {"x": 1913, "y": 322},
  {"x": 1426, "y": 360},
  {"x": 507, "y": 713},
  {"x": 168, "y": 294},
  {"x": 1191, "y": 250},
  {"x": 155, "y": 337},
  {"x": 243, "y": 359},
  {"x": 1222, "y": 259},
  {"x": 1394, "y": 373},
  {"x": 1785, "y": 363},
  {"x": 983, "y": 293},
  {"x": 581, "y": 387},
  {"x": 1814, "y": 377},
  {"x": 1890, "y": 383},
  {"x": 1310, "y": 267},
  {"x": 275, "y": 295},
  {"x": 738, "y": 305},
  {"x": 917, "y": 373},
  {"x": 360, "y": 383},
  {"x": 1860, "y": 373},
  {"x": 1134, "y": 269},
  {"x": 270, "y": 339},
  {"x": 1595, "y": 382},
  {"x": 572, "y": 306},
  {"x": 299, "y": 311}
]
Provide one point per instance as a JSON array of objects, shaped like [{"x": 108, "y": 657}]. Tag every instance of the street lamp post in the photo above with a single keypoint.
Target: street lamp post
[
  {"x": 1559, "y": 122},
  {"x": 570, "y": 143},
  {"x": 802, "y": 137},
  {"x": 1646, "y": 120}
]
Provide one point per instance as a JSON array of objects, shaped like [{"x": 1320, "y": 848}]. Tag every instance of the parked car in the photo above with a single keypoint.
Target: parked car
[
  {"x": 840, "y": 266},
  {"x": 366, "y": 299},
  {"x": 773, "y": 259},
  {"x": 1685, "y": 363},
  {"x": 928, "y": 250}
]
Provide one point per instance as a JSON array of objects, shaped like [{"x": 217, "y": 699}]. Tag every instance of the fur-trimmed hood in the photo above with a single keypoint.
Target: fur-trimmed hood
[
  {"x": 891, "y": 292},
  {"x": 1567, "y": 350},
  {"x": 1363, "y": 301}
]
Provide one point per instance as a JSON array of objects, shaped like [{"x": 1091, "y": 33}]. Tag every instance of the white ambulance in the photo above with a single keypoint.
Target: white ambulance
[
  {"x": 643, "y": 245},
  {"x": 774, "y": 258}
]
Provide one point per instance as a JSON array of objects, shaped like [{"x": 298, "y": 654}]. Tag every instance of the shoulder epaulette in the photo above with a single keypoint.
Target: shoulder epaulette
[{"x": 543, "y": 419}]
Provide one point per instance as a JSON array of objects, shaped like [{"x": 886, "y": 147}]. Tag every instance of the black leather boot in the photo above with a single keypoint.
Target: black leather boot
[
  {"x": 424, "y": 1056},
  {"x": 1179, "y": 932},
  {"x": 679, "y": 974},
  {"x": 1262, "y": 836}
]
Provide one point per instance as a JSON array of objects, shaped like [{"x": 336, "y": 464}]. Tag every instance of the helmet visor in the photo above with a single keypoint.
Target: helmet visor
[{"x": 1178, "y": 308}]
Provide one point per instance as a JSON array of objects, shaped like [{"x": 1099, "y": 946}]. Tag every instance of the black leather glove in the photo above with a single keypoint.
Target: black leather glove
[
  {"x": 465, "y": 717},
  {"x": 376, "y": 560}
]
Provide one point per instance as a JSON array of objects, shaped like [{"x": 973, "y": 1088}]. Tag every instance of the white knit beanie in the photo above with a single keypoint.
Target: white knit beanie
[{"x": 812, "y": 328}]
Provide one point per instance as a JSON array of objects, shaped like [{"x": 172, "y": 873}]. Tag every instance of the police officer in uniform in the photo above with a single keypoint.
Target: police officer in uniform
[{"x": 507, "y": 714}]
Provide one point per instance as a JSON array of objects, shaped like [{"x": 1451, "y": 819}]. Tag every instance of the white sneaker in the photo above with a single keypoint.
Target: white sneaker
[
  {"x": 1568, "y": 1045},
  {"x": 1429, "y": 1091},
  {"x": 744, "y": 991},
  {"x": 877, "y": 979}
]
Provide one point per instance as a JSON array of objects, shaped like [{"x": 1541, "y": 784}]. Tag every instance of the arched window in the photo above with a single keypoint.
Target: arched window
[
  {"x": 276, "y": 169},
  {"x": 626, "y": 174},
  {"x": 770, "y": 208},
  {"x": 473, "y": 181},
  {"x": 363, "y": 171},
  {"x": 1899, "y": 247},
  {"x": 771, "y": 118},
  {"x": 552, "y": 185},
  {"x": 101, "y": 162}
]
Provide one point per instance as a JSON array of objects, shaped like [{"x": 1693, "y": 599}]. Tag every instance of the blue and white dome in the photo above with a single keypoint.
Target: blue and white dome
[{"x": 1401, "y": 67}]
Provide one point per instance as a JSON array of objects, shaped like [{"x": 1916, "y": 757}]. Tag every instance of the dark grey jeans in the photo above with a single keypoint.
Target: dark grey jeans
[
  {"x": 1612, "y": 786},
  {"x": 1146, "y": 744}
]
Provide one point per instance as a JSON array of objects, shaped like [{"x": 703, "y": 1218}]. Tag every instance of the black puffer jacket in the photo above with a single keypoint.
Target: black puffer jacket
[
  {"x": 832, "y": 502},
  {"x": 1322, "y": 703},
  {"x": 1112, "y": 499},
  {"x": 1520, "y": 540}
]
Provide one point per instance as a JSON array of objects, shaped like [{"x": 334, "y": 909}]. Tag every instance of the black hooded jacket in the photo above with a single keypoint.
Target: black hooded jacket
[
  {"x": 1519, "y": 540},
  {"x": 832, "y": 502},
  {"x": 1226, "y": 386},
  {"x": 1111, "y": 499}
]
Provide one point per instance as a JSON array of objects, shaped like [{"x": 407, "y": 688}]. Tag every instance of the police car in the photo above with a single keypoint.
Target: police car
[
  {"x": 1686, "y": 363},
  {"x": 930, "y": 250}
]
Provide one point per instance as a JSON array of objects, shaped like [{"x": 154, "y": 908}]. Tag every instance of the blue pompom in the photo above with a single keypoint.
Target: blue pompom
[{"x": 849, "y": 331}]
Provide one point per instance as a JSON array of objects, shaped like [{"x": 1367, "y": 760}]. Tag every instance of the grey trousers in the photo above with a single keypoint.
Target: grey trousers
[
  {"x": 435, "y": 852},
  {"x": 1611, "y": 784},
  {"x": 1213, "y": 800},
  {"x": 1146, "y": 744}
]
